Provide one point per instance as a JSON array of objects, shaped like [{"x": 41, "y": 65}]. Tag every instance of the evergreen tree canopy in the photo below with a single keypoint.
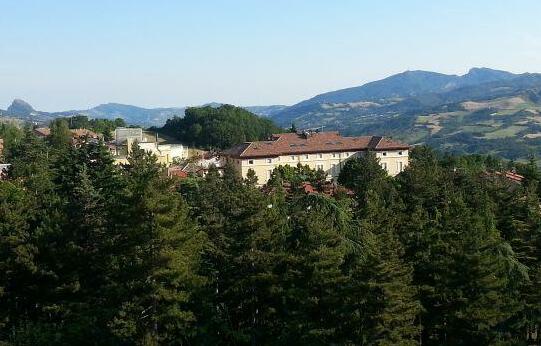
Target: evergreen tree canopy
[{"x": 219, "y": 127}]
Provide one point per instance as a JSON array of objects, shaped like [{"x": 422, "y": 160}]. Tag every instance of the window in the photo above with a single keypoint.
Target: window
[
  {"x": 333, "y": 154},
  {"x": 269, "y": 174},
  {"x": 251, "y": 162},
  {"x": 306, "y": 156},
  {"x": 293, "y": 157},
  {"x": 319, "y": 166},
  {"x": 384, "y": 165},
  {"x": 347, "y": 154},
  {"x": 400, "y": 166},
  {"x": 399, "y": 153},
  {"x": 269, "y": 160},
  {"x": 333, "y": 168},
  {"x": 320, "y": 155},
  {"x": 384, "y": 153}
]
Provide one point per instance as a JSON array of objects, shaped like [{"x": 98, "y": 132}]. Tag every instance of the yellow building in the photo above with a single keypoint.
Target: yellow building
[
  {"x": 320, "y": 150},
  {"x": 165, "y": 153}
]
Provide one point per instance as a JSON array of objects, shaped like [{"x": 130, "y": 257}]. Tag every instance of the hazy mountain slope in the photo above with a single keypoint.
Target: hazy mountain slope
[
  {"x": 131, "y": 114},
  {"x": 484, "y": 111},
  {"x": 389, "y": 91},
  {"x": 265, "y": 111}
]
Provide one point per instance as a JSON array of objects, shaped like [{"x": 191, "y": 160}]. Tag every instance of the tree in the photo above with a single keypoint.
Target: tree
[
  {"x": 219, "y": 127},
  {"x": 17, "y": 253},
  {"x": 463, "y": 268},
  {"x": 60, "y": 136},
  {"x": 382, "y": 297},
  {"x": 296, "y": 176},
  {"x": 160, "y": 270},
  {"x": 11, "y": 135},
  {"x": 360, "y": 173},
  {"x": 308, "y": 280},
  {"x": 293, "y": 128},
  {"x": 232, "y": 213}
]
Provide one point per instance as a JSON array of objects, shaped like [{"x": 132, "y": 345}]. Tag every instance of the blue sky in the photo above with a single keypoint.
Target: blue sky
[{"x": 73, "y": 54}]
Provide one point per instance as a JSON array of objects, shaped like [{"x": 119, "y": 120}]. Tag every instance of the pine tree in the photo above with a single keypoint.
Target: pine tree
[
  {"x": 363, "y": 173},
  {"x": 159, "y": 267},
  {"x": 309, "y": 269},
  {"x": 60, "y": 137},
  {"x": 17, "y": 255},
  {"x": 382, "y": 290}
]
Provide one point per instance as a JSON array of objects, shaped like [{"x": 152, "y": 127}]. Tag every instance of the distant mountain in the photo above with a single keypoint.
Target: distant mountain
[
  {"x": 131, "y": 114},
  {"x": 390, "y": 90},
  {"x": 483, "y": 111},
  {"x": 262, "y": 111},
  {"x": 20, "y": 107},
  {"x": 265, "y": 111}
]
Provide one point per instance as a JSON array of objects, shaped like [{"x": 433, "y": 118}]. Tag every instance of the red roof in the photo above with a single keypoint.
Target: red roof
[
  {"x": 512, "y": 176},
  {"x": 42, "y": 131},
  {"x": 75, "y": 133},
  {"x": 177, "y": 172},
  {"x": 311, "y": 142},
  {"x": 78, "y": 133}
]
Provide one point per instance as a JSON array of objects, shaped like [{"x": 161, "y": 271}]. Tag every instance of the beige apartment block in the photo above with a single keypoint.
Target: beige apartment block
[{"x": 327, "y": 151}]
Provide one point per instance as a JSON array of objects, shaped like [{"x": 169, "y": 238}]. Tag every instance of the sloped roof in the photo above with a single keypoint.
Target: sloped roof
[
  {"x": 42, "y": 131},
  {"x": 77, "y": 133},
  {"x": 316, "y": 142}
]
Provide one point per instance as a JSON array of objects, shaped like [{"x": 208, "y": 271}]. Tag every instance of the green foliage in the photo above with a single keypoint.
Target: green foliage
[
  {"x": 98, "y": 125},
  {"x": 295, "y": 176},
  {"x": 11, "y": 134},
  {"x": 221, "y": 127},
  {"x": 446, "y": 253},
  {"x": 60, "y": 136},
  {"x": 362, "y": 173},
  {"x": 93, "y": 253}
]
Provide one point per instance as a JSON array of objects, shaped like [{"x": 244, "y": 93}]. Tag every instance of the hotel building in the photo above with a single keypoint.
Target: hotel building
[{"x": 320, "y": 150}]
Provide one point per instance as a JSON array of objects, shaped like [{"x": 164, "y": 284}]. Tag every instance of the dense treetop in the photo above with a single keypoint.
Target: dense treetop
[
  {"x": 219, "y": 127},
  {"x": 103, "y": 126},
  {"x": 446, "y": 253}
]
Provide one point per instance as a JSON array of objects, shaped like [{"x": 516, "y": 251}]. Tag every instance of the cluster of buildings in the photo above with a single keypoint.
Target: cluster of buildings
[
  {"x": 325, "y": 151},
  {"x": 124, "y": 140},
  {"x": 78, "y": 136}
]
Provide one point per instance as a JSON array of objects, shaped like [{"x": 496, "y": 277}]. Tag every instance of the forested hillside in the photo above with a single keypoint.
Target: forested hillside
[
  {"x": 218, "y": 127},
  {"x": 446, "y": 253}
]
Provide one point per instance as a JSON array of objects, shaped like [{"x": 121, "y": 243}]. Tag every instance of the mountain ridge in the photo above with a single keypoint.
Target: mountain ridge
[
  {"x": 398, "y": 86},
  {"x": 131, "y": 114},
  {"x": 484, "y": 111}
]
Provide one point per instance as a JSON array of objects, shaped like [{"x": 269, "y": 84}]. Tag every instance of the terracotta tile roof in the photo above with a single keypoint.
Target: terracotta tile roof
[
  {"x": 78, "y": 133},
  {"x": 176, "y": 171},
  {"x": 294, "y": 143},
  {"x": 42, "y": 131},
  {"x": 511, "y": 176},
  {"x": 75, "y": 133}
]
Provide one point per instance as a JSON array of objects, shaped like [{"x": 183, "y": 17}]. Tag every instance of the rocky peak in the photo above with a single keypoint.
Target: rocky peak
[{"x": 20, "y": 107}]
